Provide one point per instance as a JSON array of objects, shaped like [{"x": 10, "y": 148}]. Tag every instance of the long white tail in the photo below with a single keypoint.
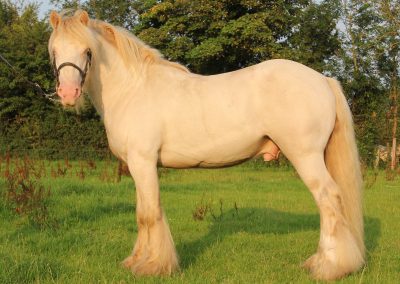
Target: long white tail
[{"x": 342, "y": 160}]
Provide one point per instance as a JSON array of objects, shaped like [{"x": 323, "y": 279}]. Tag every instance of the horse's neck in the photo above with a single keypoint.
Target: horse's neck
[
  {"x": 109, "y": 81},
  {"x": 112, "y": 83}
]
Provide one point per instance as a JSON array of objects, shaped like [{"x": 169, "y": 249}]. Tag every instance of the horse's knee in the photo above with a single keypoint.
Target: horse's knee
[{"x": 149, "y": 218}]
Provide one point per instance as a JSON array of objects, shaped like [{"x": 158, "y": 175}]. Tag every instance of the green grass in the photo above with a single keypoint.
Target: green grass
[{"x": 273, "y": 230}]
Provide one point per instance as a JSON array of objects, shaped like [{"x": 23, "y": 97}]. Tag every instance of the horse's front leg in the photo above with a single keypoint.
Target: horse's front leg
[{"x": 154, "y": 252}]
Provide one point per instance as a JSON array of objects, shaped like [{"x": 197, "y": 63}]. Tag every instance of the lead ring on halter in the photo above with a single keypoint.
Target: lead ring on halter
[{"x": 81, "y": 72}]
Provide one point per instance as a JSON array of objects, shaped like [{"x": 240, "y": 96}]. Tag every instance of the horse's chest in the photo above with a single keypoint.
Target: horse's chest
[{"x": 116, "y": 136}]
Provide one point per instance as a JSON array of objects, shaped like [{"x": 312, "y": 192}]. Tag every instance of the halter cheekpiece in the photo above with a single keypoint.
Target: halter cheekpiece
[{"x": 81, "y": 72}]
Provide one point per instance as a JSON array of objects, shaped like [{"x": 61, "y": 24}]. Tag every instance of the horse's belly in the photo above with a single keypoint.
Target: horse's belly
[
  {"x": 210, "y": 155},
  {"x": 171, "y": 159}
]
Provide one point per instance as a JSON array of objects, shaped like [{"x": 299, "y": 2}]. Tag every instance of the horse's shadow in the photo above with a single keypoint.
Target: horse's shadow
[{"x": 263, "y": 221}]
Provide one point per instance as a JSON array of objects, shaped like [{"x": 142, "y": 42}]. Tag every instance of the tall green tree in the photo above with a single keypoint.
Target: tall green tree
[
  {"x": 30, "y": 124},
  {"x": 23, "y": 42},
  {"x": 211, "y": 36},
  {"x": 316, "y": 37},
  {"x": 371, "y": 68},
  {"x": 388, "y": 58}
]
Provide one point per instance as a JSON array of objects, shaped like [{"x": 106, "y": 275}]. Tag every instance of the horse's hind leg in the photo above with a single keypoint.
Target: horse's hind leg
[
  {"x": 154, "y": 252},
  {"x": 337, "y": 253}
]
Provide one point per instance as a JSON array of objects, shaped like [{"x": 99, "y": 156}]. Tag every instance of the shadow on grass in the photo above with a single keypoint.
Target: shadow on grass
[
  {"x": 263, "y": 221},
  {"x": 96, "y": 212},
  {"x": 372, "y": 228}
]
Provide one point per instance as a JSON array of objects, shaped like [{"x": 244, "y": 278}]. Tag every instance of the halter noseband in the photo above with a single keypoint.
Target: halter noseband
[{"x": 81, "y": 72}]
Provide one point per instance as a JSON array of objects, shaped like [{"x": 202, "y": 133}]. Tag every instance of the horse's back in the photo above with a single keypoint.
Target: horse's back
[{"x": 273, "y": 96}]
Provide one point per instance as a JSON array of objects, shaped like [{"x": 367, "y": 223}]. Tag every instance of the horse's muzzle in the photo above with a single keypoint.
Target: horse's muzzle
[{"x": 69, "y": 93}]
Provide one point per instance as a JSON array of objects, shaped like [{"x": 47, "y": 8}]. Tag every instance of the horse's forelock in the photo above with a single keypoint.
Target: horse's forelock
[{"x": 72, "y": 26}]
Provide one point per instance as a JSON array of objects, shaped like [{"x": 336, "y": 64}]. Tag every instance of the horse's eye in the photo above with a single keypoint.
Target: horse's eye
[
  {"x": 54, "y": 57},
  {"x": 89, "y": 55}
]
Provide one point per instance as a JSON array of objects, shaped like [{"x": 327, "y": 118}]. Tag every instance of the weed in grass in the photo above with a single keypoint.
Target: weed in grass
[
  {"x": 203, "y": 208},
  {"x": 390, "y": 174},
  {"x": 221, "y": 211},
  {"x": 62, "y": 170},
  {"x": 28, "y": 167},
  {"x": 162, "y": 172},
  {"x": 110, "y": 173},
  {"x": 38, "y": 169},
  {"x": 8, "y": 161},
  {"x": 236, "y": 209},
  {"x": 91, "y": 164},
  {"x": 53, "y": 173},
  {"x": 200, "y": 212},
  {"x": 105, "y": 176},
  {"x": 27, "y": 197},
  {"x": 123, "y": 169},
  {"x": 370, "y": 180},
  {"x": 81, "y": 173},
  {"x": 67, "y": 164}
]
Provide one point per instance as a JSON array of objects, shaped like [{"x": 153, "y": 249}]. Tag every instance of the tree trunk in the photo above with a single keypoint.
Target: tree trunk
[{"x": 394, "y": 129}]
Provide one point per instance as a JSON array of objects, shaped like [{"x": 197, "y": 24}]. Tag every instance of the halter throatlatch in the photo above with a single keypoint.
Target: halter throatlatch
[{"x": 81, "y": 72}]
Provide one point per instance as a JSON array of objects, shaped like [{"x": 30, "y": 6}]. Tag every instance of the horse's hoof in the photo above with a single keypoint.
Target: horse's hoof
[
  {"x": 322, "y": 268},
  {"x": 147, "y": 267},
  {"x": 128, "y": 262}
]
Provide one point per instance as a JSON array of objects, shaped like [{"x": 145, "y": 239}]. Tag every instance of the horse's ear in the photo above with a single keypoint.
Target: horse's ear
[
  {"x": 109, "y": 33},
  {"x": 84, "y": 17},
  {"x": 55, "y": 19},
  {"x": 148, "y": 55}
]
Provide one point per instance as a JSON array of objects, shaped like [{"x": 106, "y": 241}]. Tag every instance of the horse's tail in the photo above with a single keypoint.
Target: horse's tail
[{"x": 342, "y": 160}]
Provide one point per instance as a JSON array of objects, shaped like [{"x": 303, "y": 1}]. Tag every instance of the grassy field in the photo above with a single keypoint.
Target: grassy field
[{"x": 262, "y": 225}]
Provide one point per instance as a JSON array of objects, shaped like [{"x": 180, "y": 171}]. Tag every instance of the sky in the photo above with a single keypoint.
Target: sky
[{"x": 44, "y": 6}]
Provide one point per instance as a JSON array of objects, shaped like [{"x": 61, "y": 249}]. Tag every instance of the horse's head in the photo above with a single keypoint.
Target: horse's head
[{"x": 70, "y": 54}]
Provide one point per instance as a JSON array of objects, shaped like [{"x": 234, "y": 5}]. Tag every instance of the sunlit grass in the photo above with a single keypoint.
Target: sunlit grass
[{"x": 264, "y": 225}]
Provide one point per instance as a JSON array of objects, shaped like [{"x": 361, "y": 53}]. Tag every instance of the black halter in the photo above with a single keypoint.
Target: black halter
[{"x": 81, "y": 72}]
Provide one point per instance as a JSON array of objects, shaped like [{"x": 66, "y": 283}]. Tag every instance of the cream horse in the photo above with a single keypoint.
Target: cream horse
[{"x": 158, "y": 113}]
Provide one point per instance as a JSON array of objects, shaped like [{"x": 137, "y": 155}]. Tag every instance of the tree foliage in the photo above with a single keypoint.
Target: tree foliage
[
  {"x": 212, "y": 36},
  {"x": 22, "y": 43},
  {"x": 29, "y": 122},
  {"x": 370, "y": 66}
]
